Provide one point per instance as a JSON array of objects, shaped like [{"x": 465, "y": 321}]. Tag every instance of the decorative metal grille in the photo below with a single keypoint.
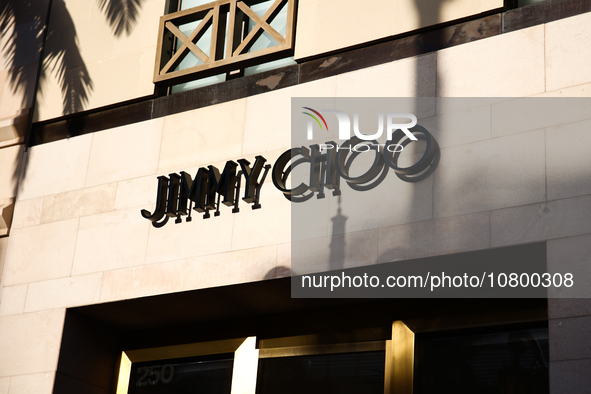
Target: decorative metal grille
[{"x": 230, "y": 46}]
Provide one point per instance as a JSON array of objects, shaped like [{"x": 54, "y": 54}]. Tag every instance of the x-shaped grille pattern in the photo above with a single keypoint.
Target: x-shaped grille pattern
[{"x": 226, "y": 19}]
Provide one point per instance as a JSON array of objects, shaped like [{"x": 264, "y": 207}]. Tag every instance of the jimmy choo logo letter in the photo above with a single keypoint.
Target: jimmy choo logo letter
[{"x": 179, "y": 194}]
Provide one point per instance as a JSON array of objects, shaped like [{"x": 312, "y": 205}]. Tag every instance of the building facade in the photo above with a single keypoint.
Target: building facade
[{"x": 102, "y": 98}]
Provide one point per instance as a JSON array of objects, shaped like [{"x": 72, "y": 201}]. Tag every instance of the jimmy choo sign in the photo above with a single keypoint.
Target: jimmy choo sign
[{"x": 180, "y": 194}]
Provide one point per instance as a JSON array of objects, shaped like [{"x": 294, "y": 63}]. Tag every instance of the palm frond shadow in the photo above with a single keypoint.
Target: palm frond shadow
[
  {"x": 121, "y": 15},
  {"x": 22, "y": 32}
]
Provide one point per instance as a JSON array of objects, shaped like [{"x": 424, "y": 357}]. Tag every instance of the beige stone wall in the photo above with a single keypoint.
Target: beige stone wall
[
  {"x": 97, "y": 56},
  {"x": 330, "y": 25},
  {"x": 78, "y": 237},
  {"x": 21, "y": 24}
]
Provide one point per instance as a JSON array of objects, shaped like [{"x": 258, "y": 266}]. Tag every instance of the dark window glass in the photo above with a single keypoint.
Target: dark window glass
[
  {"x": 203, "y": 375},
  {"x": 499, "y": 363},
  {"x": 351, "y": 373}
]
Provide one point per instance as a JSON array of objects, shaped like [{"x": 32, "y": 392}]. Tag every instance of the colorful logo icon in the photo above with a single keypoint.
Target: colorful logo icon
[{"x": 316, "y": 119}]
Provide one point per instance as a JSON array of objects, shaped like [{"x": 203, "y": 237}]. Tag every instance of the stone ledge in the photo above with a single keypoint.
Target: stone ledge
[
  {"x": 13, "y": 128},
  {"x": 326, "y": 65},
  {"x": 6, "y": 211}
]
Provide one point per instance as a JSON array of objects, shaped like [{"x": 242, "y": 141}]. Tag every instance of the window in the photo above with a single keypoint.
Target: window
[
  {"x": 500, "y": 361},
  {"x": 208, "y": 368},
  {"x": 211, "y": 374},
  {"x": 209, "y": 42},
  {"x": 309, "y": 363},
  {"x": 510, "y": 359},
  {"x": 321, "y": 369}
]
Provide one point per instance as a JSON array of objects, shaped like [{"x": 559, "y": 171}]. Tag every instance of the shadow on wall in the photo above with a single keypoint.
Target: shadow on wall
[
  {"x": 21, "y": 27},
  {"x": 278, "y": 272},
  {"x": 62, "y": 59},
  {"x": 121, "y": 14},
  {"x": 22, "y": 24},
  {"x": 429, "y": 13}
]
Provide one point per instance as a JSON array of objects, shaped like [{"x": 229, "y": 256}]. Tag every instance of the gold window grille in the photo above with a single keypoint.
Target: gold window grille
[{"x": 234, "y": 27}]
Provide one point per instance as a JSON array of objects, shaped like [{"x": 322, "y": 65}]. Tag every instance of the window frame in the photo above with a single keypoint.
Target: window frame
[
  {"x": 248, "y": 351},
  {"x": 220, "y": 61}
]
